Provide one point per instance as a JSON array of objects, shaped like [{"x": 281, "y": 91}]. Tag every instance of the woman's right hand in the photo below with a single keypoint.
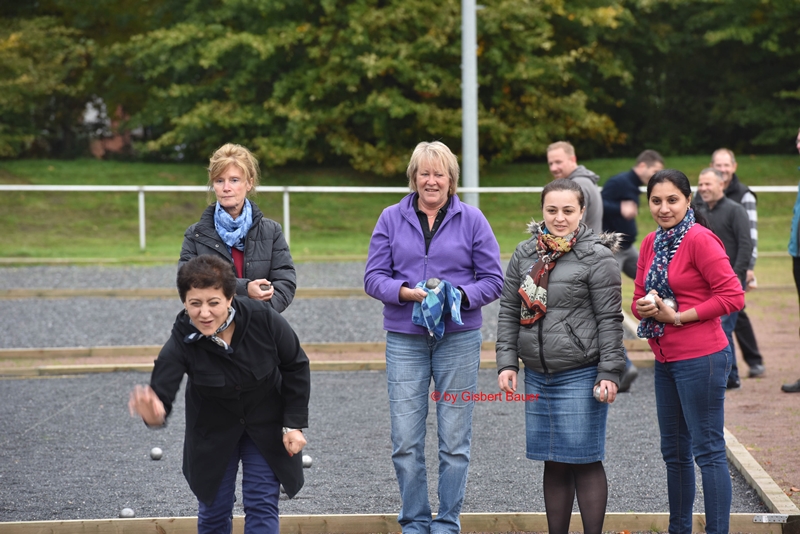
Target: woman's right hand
[
  {"x": 503, "y": 379},
  {"x": 415, "y": 294},
  {"x": 145, "y": 402},
  {"x": 647, "y": 307}
]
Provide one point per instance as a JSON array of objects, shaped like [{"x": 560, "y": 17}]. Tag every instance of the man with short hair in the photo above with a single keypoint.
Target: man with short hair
[
  {"x": 728, "y": 220},
  {"x": 621, "y": 206},
  {"x": 724, "y": 161},
  {"x": 563, "y": 164}
]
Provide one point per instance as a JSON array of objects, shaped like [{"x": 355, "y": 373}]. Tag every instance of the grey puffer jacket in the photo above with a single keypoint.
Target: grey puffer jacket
[
  {"x": 583, "y": 323},
  {"x": 266, "y": 254}
]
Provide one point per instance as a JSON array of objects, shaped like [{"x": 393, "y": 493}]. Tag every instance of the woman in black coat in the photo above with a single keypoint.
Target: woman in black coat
[
  {"x": 235, "y": 229},
  {"x": 246, "y": 397}
]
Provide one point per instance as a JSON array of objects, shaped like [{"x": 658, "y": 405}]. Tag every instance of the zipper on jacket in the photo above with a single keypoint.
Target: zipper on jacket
[
  {"x": 575, "y": 339},
  {"x": 541, "y": 345}
]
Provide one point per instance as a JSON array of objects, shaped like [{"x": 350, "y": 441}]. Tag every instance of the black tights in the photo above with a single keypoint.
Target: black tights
[{"x": 562, "y": 482}]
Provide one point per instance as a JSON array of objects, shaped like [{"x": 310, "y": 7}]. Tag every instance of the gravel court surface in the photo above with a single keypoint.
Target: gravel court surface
[{"x": 69, "y": 450}]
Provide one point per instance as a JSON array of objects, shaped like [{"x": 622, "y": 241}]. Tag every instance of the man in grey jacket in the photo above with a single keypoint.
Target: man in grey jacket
[
  {"x": 728, "y": 220},
  {"x": 563, "y": 164}
]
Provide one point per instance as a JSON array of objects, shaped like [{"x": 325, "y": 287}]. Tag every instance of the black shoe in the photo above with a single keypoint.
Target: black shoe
[
  {"x": 733, "y": 383},
  {"x": 627, "y": 378},
  {"x": 794, "y": 387},
  {"x": 757, "y": 370}
]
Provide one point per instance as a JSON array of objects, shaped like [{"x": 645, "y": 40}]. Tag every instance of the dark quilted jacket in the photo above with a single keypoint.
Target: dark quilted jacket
[
  {"x": 266, "y": 254},
  {"x": 583, "y": 323}
]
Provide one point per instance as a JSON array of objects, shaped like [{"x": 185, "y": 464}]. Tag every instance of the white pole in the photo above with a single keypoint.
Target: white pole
[
  {"x": 469, "y": 100},
  {"x": 141, "y": 220},
  {"x": 286, "y": 214}
]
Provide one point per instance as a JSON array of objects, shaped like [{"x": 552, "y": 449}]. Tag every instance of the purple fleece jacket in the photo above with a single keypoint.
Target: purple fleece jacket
[{"x": 463, "y": 251}]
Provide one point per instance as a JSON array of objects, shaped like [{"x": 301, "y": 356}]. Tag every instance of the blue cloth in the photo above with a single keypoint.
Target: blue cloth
[
  {"x": 233, "y": 232},
  {"x": 260, "y": 494},
  {"x": 690, "y": 403},
  {"x": 565, "y": 423},
  {"x": 794, "y": 236},
  {"x": 411, "y": 361},
  {"x": 440, "y": 301}
]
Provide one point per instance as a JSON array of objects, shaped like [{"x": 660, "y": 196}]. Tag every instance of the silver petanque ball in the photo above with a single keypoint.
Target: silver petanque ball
[
  {"x": 126, "y": 513},
  {"x": 306, "y": 461},
  {"x": 650, "y": 297},
  {"x": 282, "y": 490},
  {"x": 156, "y": 453},
  {"x": 670, "y": 303},
  {"x": 432, "y": 283}
]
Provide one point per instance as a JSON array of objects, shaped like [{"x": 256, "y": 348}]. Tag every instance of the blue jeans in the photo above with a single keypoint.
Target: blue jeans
[
  {"x": 411, "y": 362},
  {"x": 728, "y": 324},
  {"x": 260, "y": 493},
  {"x": 690, "y": 398}
]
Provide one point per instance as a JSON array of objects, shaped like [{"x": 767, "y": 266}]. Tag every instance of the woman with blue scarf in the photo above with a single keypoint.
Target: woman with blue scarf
[
  {"x": 684, "y": 284},
  {"x": 234, "y": 228}
]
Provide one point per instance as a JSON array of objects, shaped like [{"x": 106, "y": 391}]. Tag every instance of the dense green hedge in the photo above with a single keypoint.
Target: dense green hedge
[{"x": 362, "y": 81}]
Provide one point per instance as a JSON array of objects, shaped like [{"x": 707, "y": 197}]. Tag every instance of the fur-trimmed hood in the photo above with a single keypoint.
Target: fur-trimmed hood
[{"x": 611, "y": 240}]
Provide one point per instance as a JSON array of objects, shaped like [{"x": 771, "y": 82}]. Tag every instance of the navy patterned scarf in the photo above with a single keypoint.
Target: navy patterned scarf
[
  {"x": 197, "y": 336},
  {"x": 665, "y": 246}
]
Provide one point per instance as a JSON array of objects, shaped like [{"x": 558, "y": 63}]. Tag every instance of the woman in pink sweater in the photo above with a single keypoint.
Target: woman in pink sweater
[{"x": 683, "y": 264}]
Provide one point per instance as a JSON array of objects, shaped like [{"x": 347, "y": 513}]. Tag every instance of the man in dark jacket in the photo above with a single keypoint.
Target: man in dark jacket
[
  {"x": 621, "y": 206},
  {"x": 728, "y": 220},
  {"x": 724, "y": 161}
]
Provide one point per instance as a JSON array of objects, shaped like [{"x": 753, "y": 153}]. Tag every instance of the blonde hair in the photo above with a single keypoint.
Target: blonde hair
[
  {"x": 566, "y": 146},
  {"x": 438, "y": 152},
  {"x": 232, "y": 154}
]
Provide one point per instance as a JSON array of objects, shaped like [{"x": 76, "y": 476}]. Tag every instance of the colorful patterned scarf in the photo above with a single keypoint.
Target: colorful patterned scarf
[
  {"x": 233, "y": 231},
  {"x": 665, "y": 246},
  {"x": 197, "y": 336},
  {"x": 533, "y": 288}
]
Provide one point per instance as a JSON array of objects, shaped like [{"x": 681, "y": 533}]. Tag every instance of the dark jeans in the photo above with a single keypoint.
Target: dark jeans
[
  {"x": 796, "y": 271},
  {"x": 690, "y": 400}
]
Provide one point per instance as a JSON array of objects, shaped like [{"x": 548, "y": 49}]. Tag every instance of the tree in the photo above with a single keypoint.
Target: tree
[{"x": 363, "y": 81}]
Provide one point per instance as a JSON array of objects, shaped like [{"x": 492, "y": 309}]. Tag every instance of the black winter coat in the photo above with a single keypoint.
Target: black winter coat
[
  {"x": 266, "y": 254},
  {"x": 260, "y": 388}
]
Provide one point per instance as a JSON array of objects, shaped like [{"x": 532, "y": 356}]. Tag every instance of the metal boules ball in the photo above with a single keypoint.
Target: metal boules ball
[
  {"x": 670, "y": 303},
  {"x": 156, "y": 453},
  {"x": 432, "y": 283},
  {"x": 127, "y": 513},
  {"x": 265, "y": 287},
  {"x": 282, "y": 490},
  {"x": 650, "y": 297},
  {"x": 306, "y": 461}
]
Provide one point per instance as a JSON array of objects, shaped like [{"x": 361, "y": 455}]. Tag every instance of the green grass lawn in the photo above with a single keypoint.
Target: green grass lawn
[{"x": 105, "y": 225}]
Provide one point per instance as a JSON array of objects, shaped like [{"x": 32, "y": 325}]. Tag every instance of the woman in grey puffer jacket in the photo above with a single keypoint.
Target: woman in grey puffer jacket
[{"x": 561, "y": 314}]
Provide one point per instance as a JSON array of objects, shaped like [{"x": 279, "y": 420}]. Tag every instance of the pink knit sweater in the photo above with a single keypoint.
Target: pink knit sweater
[{"x": 701, "y": 277}]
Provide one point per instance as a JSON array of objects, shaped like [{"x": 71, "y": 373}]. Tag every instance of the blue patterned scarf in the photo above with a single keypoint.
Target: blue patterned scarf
[
  {"x": 439, "y": 301},
  {"x": 665, "y": 246},
  {"x": 233, "y": 231}
]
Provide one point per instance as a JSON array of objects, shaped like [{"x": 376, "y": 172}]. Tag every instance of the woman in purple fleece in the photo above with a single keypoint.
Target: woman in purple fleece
[{"x": 430, "y": 233}]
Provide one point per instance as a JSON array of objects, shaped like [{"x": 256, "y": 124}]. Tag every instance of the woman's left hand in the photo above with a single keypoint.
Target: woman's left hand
[
  {"x": 294, "y": 441},
  {"x": 608, "y": 391}
]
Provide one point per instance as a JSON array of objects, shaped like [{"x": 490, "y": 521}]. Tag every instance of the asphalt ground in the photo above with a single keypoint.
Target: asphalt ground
[{"x": 69, "y": 450}]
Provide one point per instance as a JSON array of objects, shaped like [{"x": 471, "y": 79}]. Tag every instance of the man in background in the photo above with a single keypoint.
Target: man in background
[
  {"x": 728, "y": 220},
  {"x": 724, "y": 161},
  {"x": 563, "y": 164},
  {"x": 621, "y": 206}
]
